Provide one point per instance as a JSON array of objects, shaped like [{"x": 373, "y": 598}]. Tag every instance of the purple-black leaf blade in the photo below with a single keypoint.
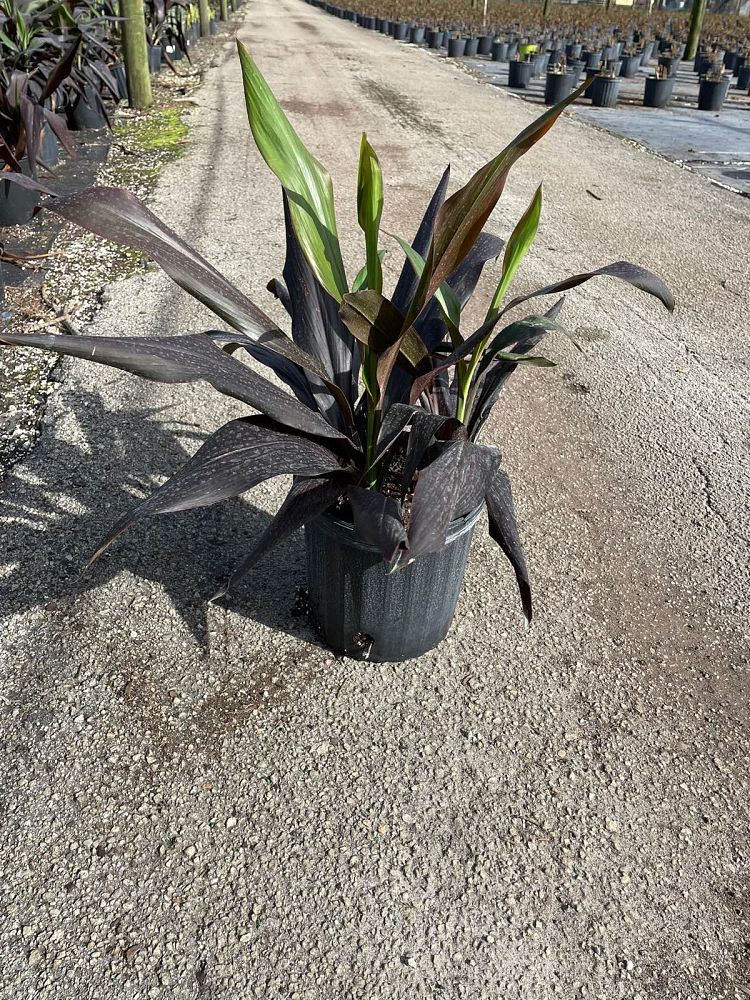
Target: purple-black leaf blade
[
  {"x": 117, "y": 215},
  {"x": 504, "y": 531},
  {"x": 408, "y": 280},
  {"x": 185, "y": 359},
  {"x": 633, "y": 274},
  {"x": 306, "y": 500},
  {"x": 449, "y": 487},
  {"x": 378, "y": 521},
  {"x": 231, "y": 461}
]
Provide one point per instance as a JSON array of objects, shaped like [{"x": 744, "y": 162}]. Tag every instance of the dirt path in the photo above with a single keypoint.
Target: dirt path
[{"x": 203, "y": 802}]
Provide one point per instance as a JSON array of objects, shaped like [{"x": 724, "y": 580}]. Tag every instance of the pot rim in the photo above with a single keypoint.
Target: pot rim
[{"x": 335, "y": 525}]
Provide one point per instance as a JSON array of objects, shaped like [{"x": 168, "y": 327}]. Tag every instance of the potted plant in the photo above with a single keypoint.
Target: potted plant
[
  {"x": 520, "y": 71},
  {"x": 558, "y": 85},
  {"x": 658, "y": 89},
  {"x": 605, "y": 88},
  {"x": 388, "y": 394},
  {"x": 713, "y": 89},
  {"x": 29, "y": 131}
]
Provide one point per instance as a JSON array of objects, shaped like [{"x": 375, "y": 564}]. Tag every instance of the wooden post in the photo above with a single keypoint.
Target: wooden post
[
  {"x": 205, "y": 17},
  {"x": 545, "y": 9},
  {"x": 696, "y": 23},
  {"x": 135, "y": 54},
  {"x": 224, "y": 10}
]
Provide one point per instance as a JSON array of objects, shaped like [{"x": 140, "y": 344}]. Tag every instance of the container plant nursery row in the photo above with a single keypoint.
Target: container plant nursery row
[
  {"x": 565, "y": 44},
  {"x": 62, "y": 69}
]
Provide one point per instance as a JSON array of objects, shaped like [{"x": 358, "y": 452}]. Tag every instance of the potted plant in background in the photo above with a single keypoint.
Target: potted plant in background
[
  {"x": 388, "y": 395},
  {"x": 713, "y": 89},
  {"x": 605, "y": 87},
  {"x": 658, "y": 89}
]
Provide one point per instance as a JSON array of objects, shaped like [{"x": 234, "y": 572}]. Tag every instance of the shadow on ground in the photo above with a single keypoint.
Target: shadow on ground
[{"x": 53, "y": 516}]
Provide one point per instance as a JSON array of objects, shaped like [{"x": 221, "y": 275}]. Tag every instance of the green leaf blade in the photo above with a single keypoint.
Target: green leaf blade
[
  {"x": 306, "y": 182},
  {"x": 370, "y": 209}
]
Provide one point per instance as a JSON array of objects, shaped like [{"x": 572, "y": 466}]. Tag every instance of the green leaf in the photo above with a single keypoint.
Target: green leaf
[
  {"x": 306, "y": 182},
  {"x": 518, "y": 246},
  {"x": 450, "y": 304},
  {"x": 370, "y": 209},
  {"x": 361, "y": 280}
]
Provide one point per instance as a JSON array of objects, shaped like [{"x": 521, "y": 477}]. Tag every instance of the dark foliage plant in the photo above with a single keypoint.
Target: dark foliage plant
[{"x": 387, "y": 395}]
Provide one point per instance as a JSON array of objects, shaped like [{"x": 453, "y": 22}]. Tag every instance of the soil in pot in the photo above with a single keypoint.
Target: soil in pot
[
  {"x": 657, "y": 92},
  {"x": 17, "y": 204},
  {"x": 368, "y": 613},
  {"x": 712, "y": 93},
  {"x": 519, "y": 74},
  {"x": 604, "y": 91}
]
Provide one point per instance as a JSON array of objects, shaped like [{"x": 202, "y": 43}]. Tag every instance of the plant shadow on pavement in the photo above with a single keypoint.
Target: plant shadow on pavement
[{"x": 52, "y": 518}]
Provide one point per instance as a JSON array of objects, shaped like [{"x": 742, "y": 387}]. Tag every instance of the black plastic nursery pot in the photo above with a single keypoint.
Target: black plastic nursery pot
[
  {"x": 121, "y": 79},
  {"x": 484, "y": 46},
  {"x": 630, "y": 66},
  {"x": 499, "y": 51},
  {"x": 670, "y": 64},
  {"x": 401, "y": 31},
  {"x": 743, "y": 78},
  {"x": 435, "y": 39},
  {"x": 657, "y": 92},
  {"x": 573, "y": 52},
  {"x": 604, "y": 91},
  {"x": 154, "y": 58},
  {"x": 416, "y": 35},
  {"x": 366, "y": 612},
  {"x": 385, "y": 27},
  {"x": 519, "y": 74},
  {"x": 648, "y": 50},
  {"x": 456, "y": 47},
  {"x": 472, "y": 46},
  {"x": 87, "y": 111},
  {"x": 712, "y": 94},
  {"x": 557, "y": 87},
  {"x": 17, "y": 204}
]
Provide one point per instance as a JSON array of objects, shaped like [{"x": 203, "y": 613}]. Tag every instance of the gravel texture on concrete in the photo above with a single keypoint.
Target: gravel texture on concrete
[{"x": 199, "y": 800}]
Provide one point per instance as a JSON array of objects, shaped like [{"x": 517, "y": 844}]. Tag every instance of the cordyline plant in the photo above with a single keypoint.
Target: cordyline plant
[{"x": 400, "y": 455}]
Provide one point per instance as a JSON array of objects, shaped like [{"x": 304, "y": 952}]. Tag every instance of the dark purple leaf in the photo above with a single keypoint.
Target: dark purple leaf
[
  {"x": 23, "y": 181},
  {"x": 61, "y": 71},
  {"x": 423, "y": 428},
  {"x": 504, "y": 530},
  {"x": 378, "y": 521},
  {"x": 190, "y": 358},
  {"x": 118, "y": 215},
  {"x": 408, "y": 280},
  {"x": 306, "y": 500},
  {"x": 445, "y": 489},
  {"x": 279, "y": 290},
  {"x": 637, "y": 276},
  {"x": 235, "y": 458},
  {"x": 316, "y": 326}
]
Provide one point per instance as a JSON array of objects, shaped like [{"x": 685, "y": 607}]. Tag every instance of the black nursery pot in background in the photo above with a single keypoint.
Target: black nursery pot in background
[
  {"x": 557, "y": 87},
  {"x": 472, "y": 46},
  {"x": 87, "y": 111},
  {"x": 366, "y": 612},
  {"x": 519, "y": 74},
  {"x": 657, "y": 92},
  {"x": 154, "y": 58},
  {"x": 499, "y": 51},
  {"x": 456, "y": 47},
  {"x": 712, "y": 93},
  {"x": 17, "y": 204},
  {"x": 630, "y": 66},
  {"x": 604, "y": 91}
]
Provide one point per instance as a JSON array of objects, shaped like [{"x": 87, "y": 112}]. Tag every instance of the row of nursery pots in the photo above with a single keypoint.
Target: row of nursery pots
[{"x": 527, "y": 61}]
